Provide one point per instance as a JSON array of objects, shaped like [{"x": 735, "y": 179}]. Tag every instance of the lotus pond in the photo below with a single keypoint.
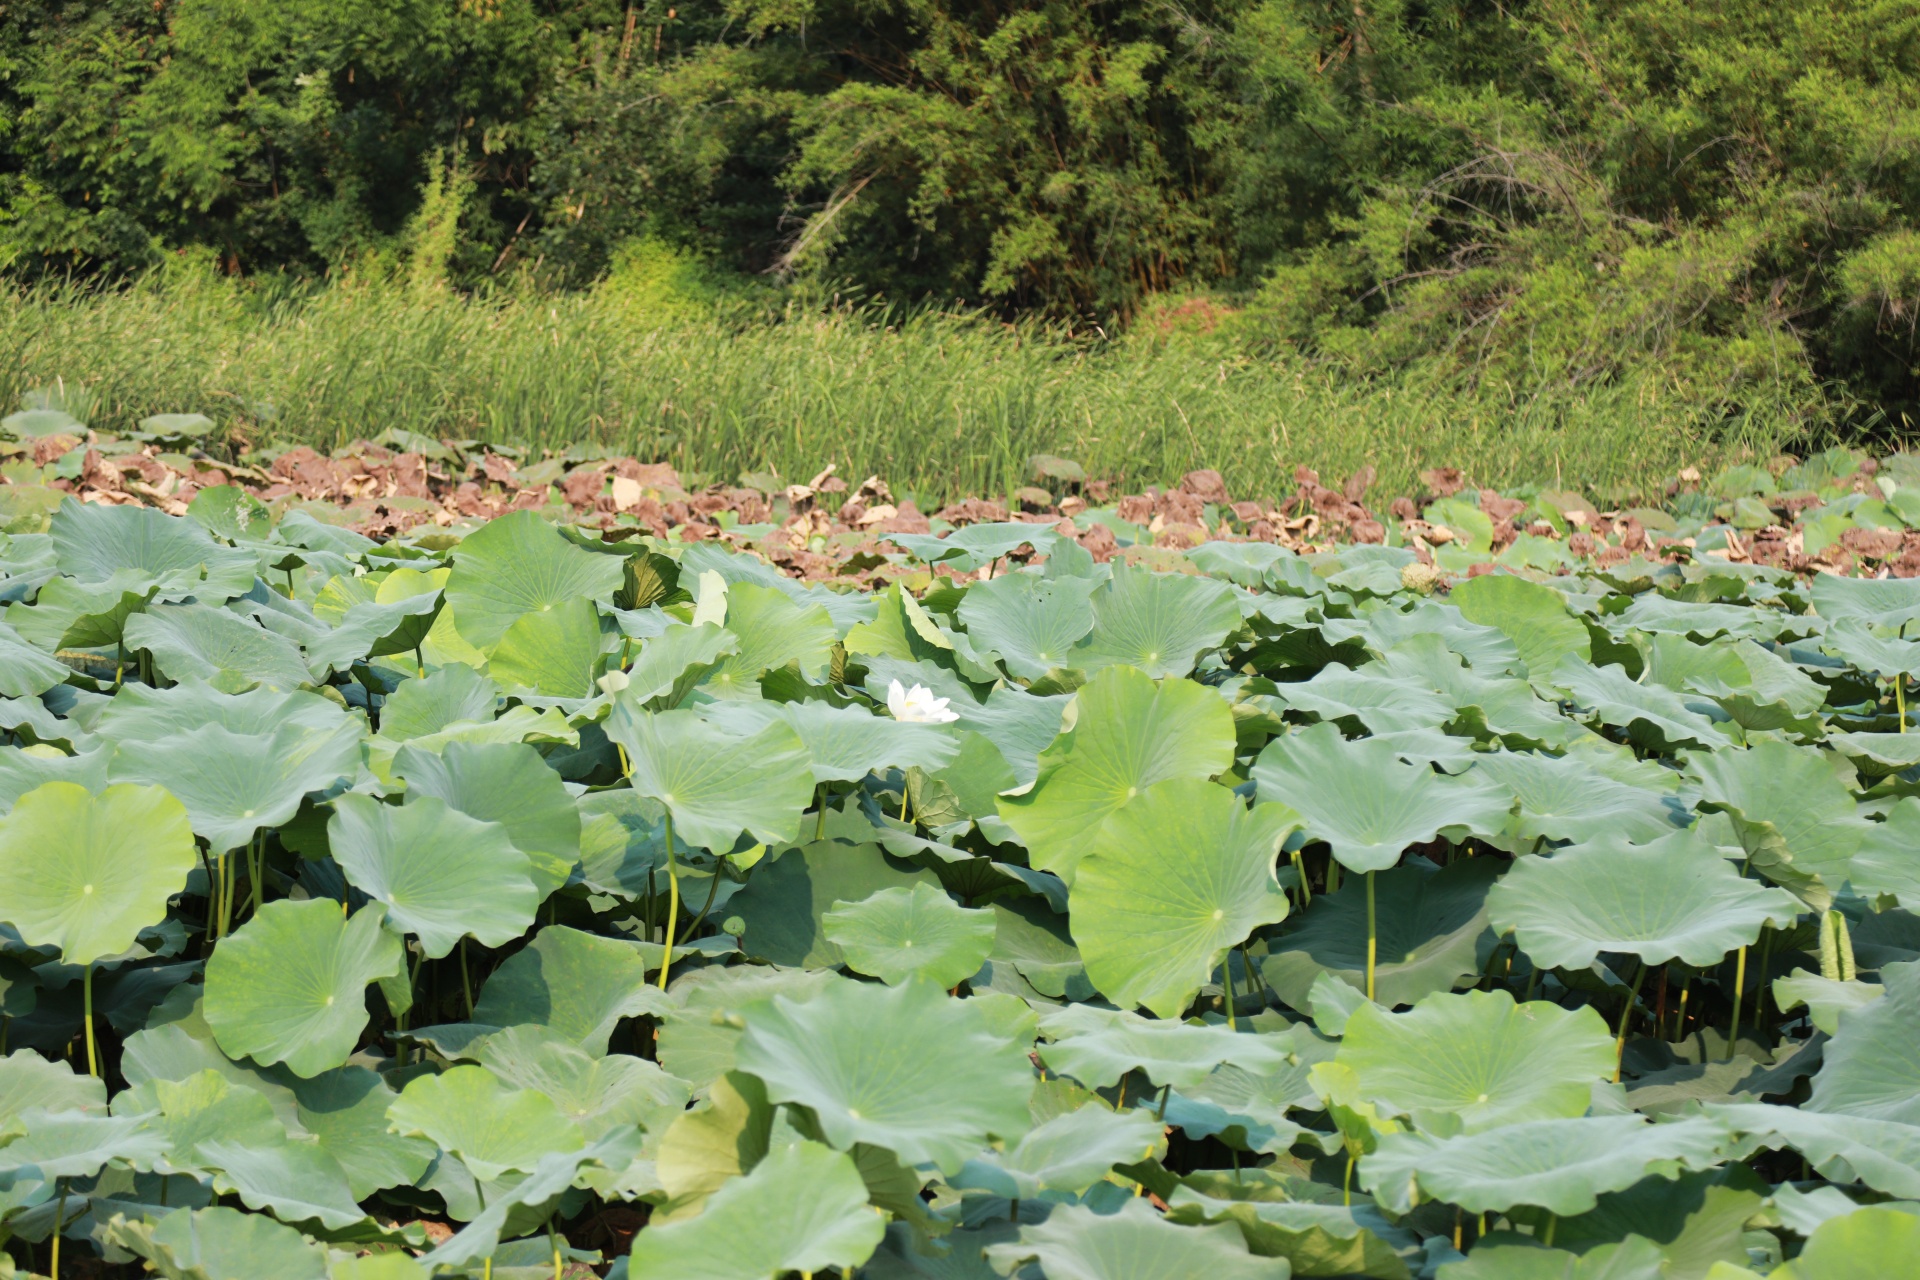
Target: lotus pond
[{"x": 510, "y": 900}]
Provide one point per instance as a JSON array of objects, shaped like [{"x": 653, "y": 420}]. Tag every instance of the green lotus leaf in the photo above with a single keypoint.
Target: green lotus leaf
[
  {"x": 1318, "y": 1239},
  {"x": 597, "y": 1094},
  {"x": 1368, "y": 804},
  {"x": 1563, "y": 1166},
  {"x": 904, "y": 932},
  {"x": 28, "y": 1080},
  {"x": 1532, "y": 615},
  {"x": 1888, "y": 859},
  {"x": 138, "y": 713},
  {"x": 519, "y": 565},
  {"x": 1249, "y": 1109},
  {"x": 772, "y": 631},
  {"x": 623, "y": 850},
  {"x": 1029, "y": 622},
  {"x": 1512, "y": 1257},
  {"x": 1157, "y": 623},
  {"x": 1613, "y": 698},
  {"x": 1869, "y": 1068},
  {"x": 1868, "y": 1242},
  {"x": 1429, "y": 922},
  {"x": 1477, "y": 1060},
  {"x": 1180, "y": 876},
  {"x": 843, "y": 743},
  {"x": 70, "y": 614},
  {"x": 578, "y": 985},
  {"x": 290, "y": 984},
  {"x": 200, "y": 642},
  {"x": 375, "y": 628},
  {"x": 441, "y": 874},
  {"x": 553, "y": 652},
  {"x": 1371, "y": 696},
  {"x": 507, "y": 783},
  {"x": 1128, "y": 734},
  {"x": 345, "y": 1110},
  {"x": 1032, "y": 938},
  {"x": 975, "y": 545},
  {"x": 493, "y": 1129},
  {"x": 1693, "y": 1221},
  {"x": 717, "y": 786},
  {"x": 1098, "y": 1046},
  {"x": 1883, "y": 1154},
  {"x": 1068, "y": 1153},
  {"x": 219, "y": 1243},
  {"x": 204, "y": 1107},
  {"x": 235, "y": 785},
  {"x": 803, "y": 1208},
  {"x": 94, "y": 542},
  {"x": 1136, "y": 1243},
  {"x": 859, "y": 1055},
  {"x": 697, "y": 1040},
  {"x": 785, "y": 907},
  {"x": 23, "y": 770},
  {"x": 1827, "y": 1000},
  {"x": 1676, "y": 898},
  {"x": 1758, "y": 688},
  {"x": 79, "y": 1144},
  {"x": 86, "y": 873},
  {"x": 1018, "y": 723},
  {"x": 452, "y": 695},
  {"x": 678, "y": 658},
  {"x": 530, "y": 1200},
  {"x": 1885, "y": 602},
  {"x": 1792, "y": 810},
  {"x": 296, "y": 1181},
  {"x": 1569, "y": 798},
  {"x": 713, "y": 1144},
  {"x": 1853, "y": 641},
  {"x": 26, "y": 672},
  {"x": 901, "y": 630}
]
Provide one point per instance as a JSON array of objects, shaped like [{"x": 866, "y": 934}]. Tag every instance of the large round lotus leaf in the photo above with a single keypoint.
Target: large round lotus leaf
[
  {"x": 803, "y": 1208},
  {"x": 1136, "y": 1243},
  {"x": 1532, "y": 615},
  {"x": 1612, "y": 697},
  {"x": 862, "y": 1058},
  {"x": 1429, "y": 924},
  {"x": 76, "y": 1144},
  {"x": 1888, "y": 860},
  {"x": 1318, "y": 1238},
  {"x": 1128, "y": 734},
  {"x": 372, "y": 628},
  {"x": 551, "y": 652},
  {"x": 1883, "y": 1154},
  {"x": 716, "y": 785},
  {"x": 86, "y": 873},
  {"x": 1563, "y": 1166},
  {"x": 28, "y": 1080},
  {"x": 295, "y": 1180},
  {"x": 672, "y": 662},
  {"x": 1887, "y": 602},
  {"x": 508, "y": 783},
  {"x": 1867, "y": 1244},
  {"x": 290, "y": 985},
  {"x": 899, "y": 933},
  {"x": 1029, "y": 622},
  {"x": 1377, "y": 700},
  {"x": 22, "y": 771},
  {"x": 441, "y": 874},
  {"x": 1157, "y": 623},
  {"x": 138, "y": 713},
  {"x": 493, "y": 1129},
  {"x": 772, "y": 631},
  {"x": 1098, "y": 1046},
  {"x": 346, "y": 1112},
  {"x": 714, "y": 1143},
  {"x": 697, "y": 1040},
  {"x": 1676, "y": 898},
  {"x": 1568, "y": 798},
  {"x": 93, "y": 542},
  {"x": 1366, "y": 802},
  {"x": 26, "y": 672},
  {"x": 234, "y": 785},
  {"x": 579, "y": 985},
  {"x": 843, "y": 743},
  {"x": 205, "y": 1107},
  {"x": 1068, "y": 1153},
  {"x": 1180, "y": 876},
  {"x": 1476, "y": 1060},
  {"x": 451, "y": 695},
  {"x": 1869, "y": 1067},
  {"x": 200, "y": 642},
  {"x": 596, "y": 1094},
  {"x": 218, "y": 1243},
  {"x": 1791, "y": 806},
  {"x": 517, "y": 565}
]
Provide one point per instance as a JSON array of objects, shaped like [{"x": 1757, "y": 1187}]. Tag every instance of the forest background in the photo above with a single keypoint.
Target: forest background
[{"x": 1617, "y": 232}]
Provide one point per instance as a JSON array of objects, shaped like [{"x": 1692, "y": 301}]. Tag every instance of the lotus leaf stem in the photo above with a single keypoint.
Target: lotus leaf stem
[
  {"x": 1373, "y": 937},
  {"x": 1553, "y": 1224},
  {"x": 466, "y": 983},
  {"x": 59, "y": 1224},
  {"x": 1739, "y": 993},
  {"x": 1626, "y": 1014},
  {"x": 1233, "y": 1013},
  {"x": 673, "y": 903},
  {"x": 713, "y": 891},
  {"x": 1166, "y": 1091},
  {"x": 1900, "y": 699},
  {"x": 86, "y": 996}
]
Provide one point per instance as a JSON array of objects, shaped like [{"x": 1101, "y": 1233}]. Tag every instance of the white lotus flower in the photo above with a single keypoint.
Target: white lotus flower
[{"x": 918, "y": 705}]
